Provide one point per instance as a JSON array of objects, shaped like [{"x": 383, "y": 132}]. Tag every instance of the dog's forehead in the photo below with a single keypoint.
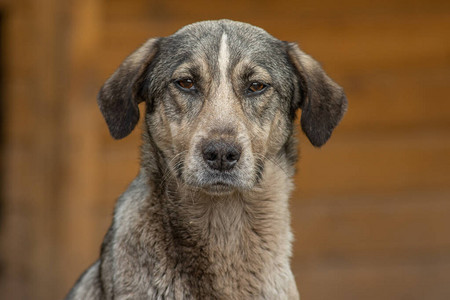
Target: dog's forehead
[
  {"x": 213, "y": 30},
  {"x": 243, "y": 41}
]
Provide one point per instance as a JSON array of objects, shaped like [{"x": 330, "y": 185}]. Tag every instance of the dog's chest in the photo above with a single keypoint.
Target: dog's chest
[
  {"x": 240, "y": 266},
  {"x": 221, "y": 278},
  {"x": 226, "y": 255}
]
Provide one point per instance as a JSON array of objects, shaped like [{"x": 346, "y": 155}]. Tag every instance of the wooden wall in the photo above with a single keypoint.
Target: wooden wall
[{"x": 371, "y": 211}]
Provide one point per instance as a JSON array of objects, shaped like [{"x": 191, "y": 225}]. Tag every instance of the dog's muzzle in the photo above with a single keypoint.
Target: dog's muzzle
[
  {"x": 221, "y": 155},
  {"x": 219, "y": 164}
]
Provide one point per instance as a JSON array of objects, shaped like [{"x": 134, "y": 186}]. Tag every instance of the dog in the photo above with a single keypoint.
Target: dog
[{"x": 207, "y": 217}]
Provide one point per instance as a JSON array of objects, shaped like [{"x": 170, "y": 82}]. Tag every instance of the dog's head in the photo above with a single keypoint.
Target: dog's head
[{"x": 221, "y": 99}]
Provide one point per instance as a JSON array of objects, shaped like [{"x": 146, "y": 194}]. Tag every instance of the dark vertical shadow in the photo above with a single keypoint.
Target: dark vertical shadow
[{"x": 2, "y": 130}]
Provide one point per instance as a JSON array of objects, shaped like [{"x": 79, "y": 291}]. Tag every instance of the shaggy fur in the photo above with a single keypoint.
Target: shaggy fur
[{"x": 207, "y": 217}]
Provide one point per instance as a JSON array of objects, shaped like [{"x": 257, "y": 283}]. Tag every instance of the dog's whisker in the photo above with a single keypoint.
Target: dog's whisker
[
  {"x": 175, "y": 168},
  {"x": 274, "y": 161}
]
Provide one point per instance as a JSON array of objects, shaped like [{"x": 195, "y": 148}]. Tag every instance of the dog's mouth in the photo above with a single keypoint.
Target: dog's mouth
[
  {"x": 215, "y": 184},
  {"x": 215, "y": 188},
  {"x": 219, "y": 188}
]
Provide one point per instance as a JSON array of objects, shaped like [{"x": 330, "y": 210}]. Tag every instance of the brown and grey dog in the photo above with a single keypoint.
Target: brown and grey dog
[{"x": 207, "y": 217}]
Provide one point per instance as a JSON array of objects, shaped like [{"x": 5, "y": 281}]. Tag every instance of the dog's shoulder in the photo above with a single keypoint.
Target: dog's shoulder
[{"x": 88, "y": 285}]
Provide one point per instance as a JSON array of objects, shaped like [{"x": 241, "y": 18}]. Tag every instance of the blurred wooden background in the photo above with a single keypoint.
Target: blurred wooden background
[{"x": 371, "y": 211}]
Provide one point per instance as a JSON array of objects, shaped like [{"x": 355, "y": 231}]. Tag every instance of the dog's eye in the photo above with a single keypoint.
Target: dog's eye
[
  {"x": 186, "y": 84},
  {"x": 256, "y": 87}
]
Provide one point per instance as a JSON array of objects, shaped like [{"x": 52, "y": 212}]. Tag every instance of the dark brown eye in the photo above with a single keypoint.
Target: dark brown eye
[
  {"x": 186, "y": 84},
  {"x": 256, "y": 87}
]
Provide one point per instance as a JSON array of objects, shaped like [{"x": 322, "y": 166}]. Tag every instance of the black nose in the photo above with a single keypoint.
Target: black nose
[{"x": 220, "y": 155}]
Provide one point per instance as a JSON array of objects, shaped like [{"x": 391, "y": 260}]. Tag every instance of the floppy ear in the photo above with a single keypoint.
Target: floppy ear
[
  {"x": 120, "y": 95},
  {"x": 322, "y": 101}
]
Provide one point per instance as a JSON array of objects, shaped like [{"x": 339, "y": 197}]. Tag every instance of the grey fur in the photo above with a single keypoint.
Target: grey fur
[{"x": 184, "y": 230}]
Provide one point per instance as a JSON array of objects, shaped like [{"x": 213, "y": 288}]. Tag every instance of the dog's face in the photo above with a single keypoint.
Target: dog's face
[
  {"x": 223, "y": 107},
  {"x": 221, "y": 100}
]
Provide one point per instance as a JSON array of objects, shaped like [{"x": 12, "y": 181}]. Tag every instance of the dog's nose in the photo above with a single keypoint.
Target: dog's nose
[{"x": 221, "y": 155}]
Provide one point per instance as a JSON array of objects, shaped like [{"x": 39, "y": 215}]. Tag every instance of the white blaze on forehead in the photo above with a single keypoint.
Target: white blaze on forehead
[
  {"x": 221, "y": 101},
  {"x": 224, "y": 58}
]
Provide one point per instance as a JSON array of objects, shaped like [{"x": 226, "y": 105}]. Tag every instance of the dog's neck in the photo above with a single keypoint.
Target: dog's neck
[
  {"x": 227, "y": 215},
  {"x": 232, "y": 236}
]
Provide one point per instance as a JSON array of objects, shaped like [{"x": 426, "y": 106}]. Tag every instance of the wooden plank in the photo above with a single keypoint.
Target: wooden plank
[
  {"x": 391, "y": 246},
  {"x": 370, "y": 162},
  {"x": 404, "y": 226},
  {"x": 397, "y": 100},
  {"x": 426, "y": 279},
  {"x": 377, "y": 43},
  {"x": 203, "y": 9}
]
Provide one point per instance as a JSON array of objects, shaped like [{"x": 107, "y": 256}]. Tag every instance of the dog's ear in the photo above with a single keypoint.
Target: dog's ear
[
  {"x": 120, "y": 95},
  {"x": 322, "y": 101}
]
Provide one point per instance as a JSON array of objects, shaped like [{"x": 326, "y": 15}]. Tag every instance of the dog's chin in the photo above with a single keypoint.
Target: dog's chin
[
  {"x": 218, "y": 189},
  {"x": 217, "y": 184},
  {"x": 215, "y": 187}
]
